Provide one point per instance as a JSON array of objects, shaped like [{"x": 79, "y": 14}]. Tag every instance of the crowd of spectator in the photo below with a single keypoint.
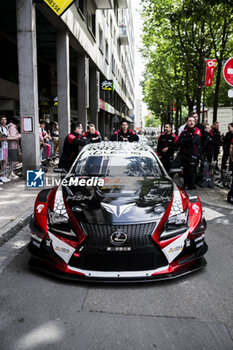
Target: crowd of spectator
[
  {"x": 10, "y": 148},
  {"x": 196, "y": 146}
]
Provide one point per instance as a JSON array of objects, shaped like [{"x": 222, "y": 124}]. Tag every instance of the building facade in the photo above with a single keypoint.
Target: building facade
[
  {"x": 225, "y": 117},
  {"x": 79, "y": 65}
]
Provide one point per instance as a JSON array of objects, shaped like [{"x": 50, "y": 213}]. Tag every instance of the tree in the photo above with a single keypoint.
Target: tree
[{"x": 178, "y": 36}]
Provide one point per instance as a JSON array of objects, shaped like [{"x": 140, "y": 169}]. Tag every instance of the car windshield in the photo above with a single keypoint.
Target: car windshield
[{"x": 120, "y": 166}]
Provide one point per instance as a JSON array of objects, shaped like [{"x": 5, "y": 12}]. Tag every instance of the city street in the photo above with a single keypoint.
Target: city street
[
  {"x": 116, "y": 165},
  {"x": 196, "y": 311}
]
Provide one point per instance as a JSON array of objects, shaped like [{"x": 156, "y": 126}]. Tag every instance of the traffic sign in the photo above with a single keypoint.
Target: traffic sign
[
  {"x": 228, "y": 71},
  {"x": 59, "y": 6},
  {"x": 230, "y": 93}
]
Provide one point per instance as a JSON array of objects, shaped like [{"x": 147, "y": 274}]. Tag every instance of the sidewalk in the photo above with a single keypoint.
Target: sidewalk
[
  {"x": 17, "y": 204},
  {"x": 16, "y": 207}
]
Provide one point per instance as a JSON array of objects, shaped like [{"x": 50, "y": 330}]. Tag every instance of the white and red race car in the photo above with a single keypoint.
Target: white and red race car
[{"x": 117, "y": 217}]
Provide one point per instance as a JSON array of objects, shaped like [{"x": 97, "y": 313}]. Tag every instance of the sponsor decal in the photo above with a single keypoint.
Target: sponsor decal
[
  {"x": 79, "y": 198},
  {"x": 36, "y": 244},
  {"x": 35, "y": 178},
  {"x": 36, "y": 238},
  {"x": 48, "y": 242},
  {"x": 118, "y": 237},
  {"x": 196, "y": 208},
  {"x": 199, "y": 244},
  {"x": 118, "y": 210},
  {"x": 176, "y": 249},
  {"x": 39, "y": 208},
  {"x": 119, "y": 249},
  {"x": 199, "y": 238},
  {"x": 62, "y": 249}
]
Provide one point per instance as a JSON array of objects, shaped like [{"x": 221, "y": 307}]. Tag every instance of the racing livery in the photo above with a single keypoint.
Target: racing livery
[{"x": 131, "y": 223}]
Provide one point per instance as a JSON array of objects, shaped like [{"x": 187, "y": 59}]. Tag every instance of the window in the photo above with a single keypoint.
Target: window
[
  {"x": 91, "y": 22},
  {"x": 81, "y": 5},
  {"x": 106, "y": 50},
  {"x": 113, "y": 65},
  {"x": 118, "y": 48},
  {"x": 101, "y": 40},
  {"x": 111, "y": 25},
  {"x": 123, "y": 166}
]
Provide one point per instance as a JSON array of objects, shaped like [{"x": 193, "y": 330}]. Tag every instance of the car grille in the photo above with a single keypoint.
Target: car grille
[{"x": 138, "y": 236}]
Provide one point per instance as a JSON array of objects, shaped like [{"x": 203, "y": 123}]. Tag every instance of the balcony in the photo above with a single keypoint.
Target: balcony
[
  {"x": 122, "y": 4},
  {"x": 104, "y": 4},
  {"x": 123, "y": 35}
]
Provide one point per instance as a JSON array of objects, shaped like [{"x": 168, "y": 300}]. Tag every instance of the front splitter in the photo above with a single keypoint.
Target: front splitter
[{"x": 42, "y": 266}]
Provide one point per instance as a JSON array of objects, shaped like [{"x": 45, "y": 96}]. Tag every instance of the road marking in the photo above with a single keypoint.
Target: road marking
[{"x": 211, "y": 214}]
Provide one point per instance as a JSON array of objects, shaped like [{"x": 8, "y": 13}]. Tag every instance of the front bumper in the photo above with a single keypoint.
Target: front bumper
[{"x": 43, "y": 263}]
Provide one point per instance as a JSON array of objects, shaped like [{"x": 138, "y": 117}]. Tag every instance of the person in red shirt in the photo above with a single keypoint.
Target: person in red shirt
[
  {"x": 92, "y": 134},
  {"x": 72, "y": 145},
  {"x": 167, "y": 145},
  {"x": 124, "y": 134}
]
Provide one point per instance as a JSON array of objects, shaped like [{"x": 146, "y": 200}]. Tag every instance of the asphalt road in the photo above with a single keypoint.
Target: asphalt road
[{"x": 193, "y": 312}]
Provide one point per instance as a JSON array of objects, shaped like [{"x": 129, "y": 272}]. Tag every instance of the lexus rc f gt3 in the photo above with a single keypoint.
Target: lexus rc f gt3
[{"x": 117, "y": 216}]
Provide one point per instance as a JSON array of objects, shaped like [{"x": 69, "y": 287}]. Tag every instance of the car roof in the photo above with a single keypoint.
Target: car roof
[{"x": 116, "y": 148}]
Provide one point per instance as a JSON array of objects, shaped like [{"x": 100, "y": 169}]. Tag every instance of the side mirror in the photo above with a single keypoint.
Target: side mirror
[{"x": 60, "y": 171}]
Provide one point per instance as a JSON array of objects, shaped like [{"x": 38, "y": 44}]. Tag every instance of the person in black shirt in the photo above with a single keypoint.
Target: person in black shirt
[
  {"x": 72, "y": 145},
  {"x": 217, "y": 142},
  {"x": 124, "y": 134},
  {"x": 208, "y": 146},
  {"x": 167, "y": 145},
  {"x": 92, "y": 134},
  {"x": 226, "y": 148},
  {"x": 230, "y": 193},
  {"x": 200, "y": 126},
  {"x": 189, "y": 142}
]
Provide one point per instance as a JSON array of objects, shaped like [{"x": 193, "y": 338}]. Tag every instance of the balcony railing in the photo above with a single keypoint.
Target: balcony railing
[
  {"x": 122, "y": 4},
  {"x": 104, "y": 4}
]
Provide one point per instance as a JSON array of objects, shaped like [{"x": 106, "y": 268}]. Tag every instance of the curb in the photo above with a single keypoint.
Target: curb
[
  {"x": 10, "y": 229},
  {"x": 217, "y": 206}
]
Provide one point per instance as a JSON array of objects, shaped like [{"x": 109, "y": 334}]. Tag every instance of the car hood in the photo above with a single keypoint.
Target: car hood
[{"x": 127, "y": 200}]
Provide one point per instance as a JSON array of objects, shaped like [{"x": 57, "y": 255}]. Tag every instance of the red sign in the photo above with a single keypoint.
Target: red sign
[
  {"x": 228, "y": 71},
  {"x": 209, "y": 71}
]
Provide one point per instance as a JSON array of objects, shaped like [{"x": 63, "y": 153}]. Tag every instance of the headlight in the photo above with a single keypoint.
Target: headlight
[
  {"x": 59, "y": 224},
  {"x": 201, "y": 228},
  {"x": 175, "y": 226}
]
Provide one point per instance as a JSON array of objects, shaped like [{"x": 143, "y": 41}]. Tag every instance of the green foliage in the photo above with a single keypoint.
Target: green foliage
[
  {"x": 152, "y": 121},
  {"x": 177, "y": 37}
]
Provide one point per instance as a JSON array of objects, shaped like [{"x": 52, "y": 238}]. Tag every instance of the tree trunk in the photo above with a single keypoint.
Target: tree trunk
[
  {"x": 180, "y": 114},
  {"x": 216, "y": 93},
  {"x": 177, "y": 115}
]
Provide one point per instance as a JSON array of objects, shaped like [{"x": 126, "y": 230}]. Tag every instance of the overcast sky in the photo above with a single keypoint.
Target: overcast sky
[{"x": 139, "y": 66}]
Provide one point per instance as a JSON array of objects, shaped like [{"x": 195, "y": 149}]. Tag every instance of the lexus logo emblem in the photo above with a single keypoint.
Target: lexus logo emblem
[{"x": 118, "y": 237}]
